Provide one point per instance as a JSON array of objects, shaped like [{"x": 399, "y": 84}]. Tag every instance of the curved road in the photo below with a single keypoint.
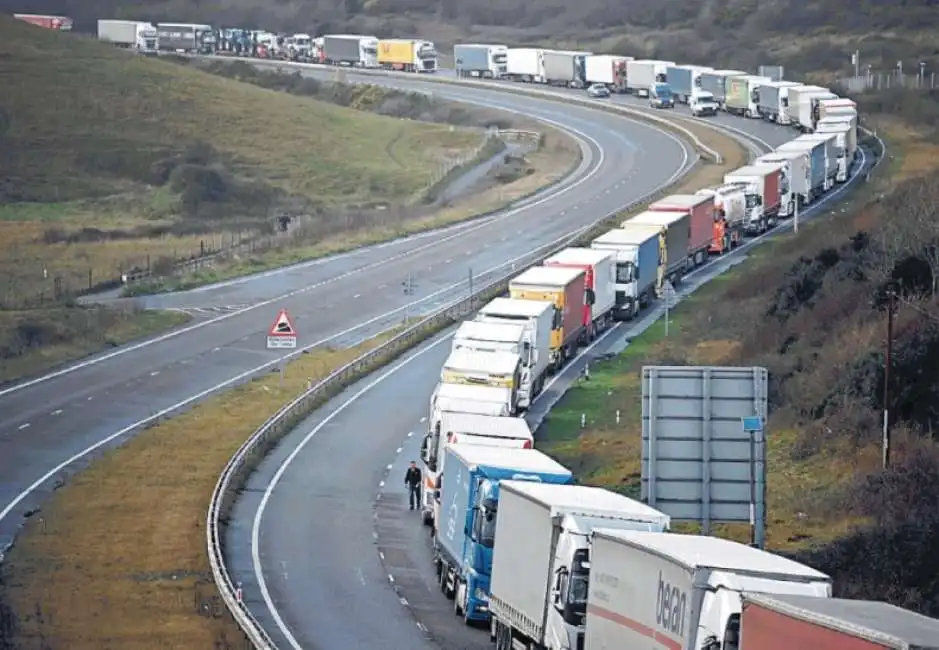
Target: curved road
[
  {"x": 51, "y": 426},
  {"x": 321, "y": 539},
  {"x": 327, "y": 556}
]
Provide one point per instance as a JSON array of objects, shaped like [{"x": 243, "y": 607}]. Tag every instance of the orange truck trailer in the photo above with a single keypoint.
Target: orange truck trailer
[
  {"x": 60, "y": 23},
  {"x": 780, "y": 622}
]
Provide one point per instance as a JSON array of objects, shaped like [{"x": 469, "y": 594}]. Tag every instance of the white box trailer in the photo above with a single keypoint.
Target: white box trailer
[
  {"x": 484, "y": 368},
  {"x": 794, "y": 182},
  {"x": 845, "y": 140},
  {"x": 681, "y": 591},
  {"x": 541, "y": 563},
  {"x": 802, "y": 103},
  {"x": 641, "y": 74},
  {"x": 636, "y": 250},
  {"x": 536, "y": 316},
  {"x": 470, "y": 398},
  {"x": 525, "y": 64},
  {"x": 607, "y": 69}
]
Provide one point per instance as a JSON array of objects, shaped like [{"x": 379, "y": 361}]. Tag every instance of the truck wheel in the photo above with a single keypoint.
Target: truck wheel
[
  {"x": 426, "y": 518},
  {"x": 458, "y": 601}
]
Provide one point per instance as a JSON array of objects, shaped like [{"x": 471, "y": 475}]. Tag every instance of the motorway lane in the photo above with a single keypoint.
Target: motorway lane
[
  {"x": 383, "y": 421},
  {"x": 44, "y": 424}
]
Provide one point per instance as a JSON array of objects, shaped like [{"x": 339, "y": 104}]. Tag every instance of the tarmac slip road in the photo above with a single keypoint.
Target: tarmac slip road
[
  {"x": 321, "y": 540},
  {"x": 50, "y": 426}
]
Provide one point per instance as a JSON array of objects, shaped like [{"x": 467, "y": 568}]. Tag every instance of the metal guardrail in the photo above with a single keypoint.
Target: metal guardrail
[
  {"x": 702, "y": 148},
  {"x": 255, "y": 448}
]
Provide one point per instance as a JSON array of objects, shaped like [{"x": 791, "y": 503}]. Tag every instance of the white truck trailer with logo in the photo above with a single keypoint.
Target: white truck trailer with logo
[
  {"x": 683, "y": 592},
  {"x": 536, "y": 317},
  {"x": 541, "y": 562},
  {"x": 455, "y": 428},
  {"x": 638, "y": 254}
]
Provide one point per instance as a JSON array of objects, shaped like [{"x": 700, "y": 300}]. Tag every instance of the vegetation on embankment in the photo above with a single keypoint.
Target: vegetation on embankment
[
  {"x": 812, "y": 309},
  {"x": 116, "y": 165}
]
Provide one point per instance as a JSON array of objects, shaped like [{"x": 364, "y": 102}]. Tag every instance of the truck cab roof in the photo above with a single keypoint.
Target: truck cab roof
[
  {"x": 701, "y": 551},
  {"x": 483, "y": 331}
]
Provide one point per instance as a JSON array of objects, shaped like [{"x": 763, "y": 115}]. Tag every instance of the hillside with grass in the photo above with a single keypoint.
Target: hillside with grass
[
  {"x": 807, "y": 36},
  {"x": 111, "y": 162}
]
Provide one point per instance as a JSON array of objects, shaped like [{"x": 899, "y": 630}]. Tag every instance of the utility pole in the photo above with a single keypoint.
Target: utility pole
[
  {"x": 470, "y": 281},
  {"x": 888, "y": 360},
  {"x": 856, "y": 60}
]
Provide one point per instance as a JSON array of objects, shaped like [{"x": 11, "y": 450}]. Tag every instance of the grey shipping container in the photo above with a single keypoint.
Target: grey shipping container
[
  {"x": 679, "y": 80},
  {"x": 774, "y": 72},
  {"x": 716, "y": 82},
  {"x": 769, "y": 101},
  {"x": 341, "y": 49},
  {"x": 560, "y": 66},
  {"x": 471, "y": 58}
]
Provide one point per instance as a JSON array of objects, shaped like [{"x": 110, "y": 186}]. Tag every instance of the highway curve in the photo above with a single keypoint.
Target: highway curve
[
  {"x": 315, "y": 549},
  {"x": 52, "y": 425},
  {"x": 322, "y": 541}
]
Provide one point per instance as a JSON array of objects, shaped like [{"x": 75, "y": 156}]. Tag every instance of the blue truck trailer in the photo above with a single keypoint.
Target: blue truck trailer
[
  {"x": 464, "y": 536},
  {"x": 818, "y": 165}
]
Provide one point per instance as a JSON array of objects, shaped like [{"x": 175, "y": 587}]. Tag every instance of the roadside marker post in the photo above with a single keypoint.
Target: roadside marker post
[{"x": 283, "y": 333}]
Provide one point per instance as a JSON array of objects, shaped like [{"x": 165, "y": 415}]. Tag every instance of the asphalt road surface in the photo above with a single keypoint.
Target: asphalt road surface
[
  {"x": 49, "y": 425},
  {"x": 322, "y": 541}
]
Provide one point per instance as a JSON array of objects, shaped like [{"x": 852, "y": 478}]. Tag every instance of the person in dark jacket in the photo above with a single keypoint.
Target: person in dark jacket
[{"x": 412, "y": 479}]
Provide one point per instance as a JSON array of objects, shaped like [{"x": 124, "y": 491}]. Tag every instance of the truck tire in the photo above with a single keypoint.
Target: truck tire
[
  {"x": 427, "y": 518},
  {"x": 459, "y": 599}
]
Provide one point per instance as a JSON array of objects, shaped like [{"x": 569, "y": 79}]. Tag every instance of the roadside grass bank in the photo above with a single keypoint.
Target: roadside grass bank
[
  {"x": 94, "y": 545},
  {"x": 116, "y": 558},
  {"x": 33, "y": 341},
  {"x": 811, "y": 308}
]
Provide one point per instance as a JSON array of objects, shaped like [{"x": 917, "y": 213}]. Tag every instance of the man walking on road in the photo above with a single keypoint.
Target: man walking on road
[{"x": 412, "y": 479}]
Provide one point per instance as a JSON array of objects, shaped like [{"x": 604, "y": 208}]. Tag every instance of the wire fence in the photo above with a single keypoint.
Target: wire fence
[
  {"x": 877, "y": 81},
  {"x": 41, "y": 283}
]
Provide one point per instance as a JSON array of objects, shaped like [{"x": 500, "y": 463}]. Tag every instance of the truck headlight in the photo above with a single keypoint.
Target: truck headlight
[{"x": 479, "y": 594}]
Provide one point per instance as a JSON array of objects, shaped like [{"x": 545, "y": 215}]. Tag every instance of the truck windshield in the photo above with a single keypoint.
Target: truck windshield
[
  {"x": 499, "y": 59},
  {"x": 625, "y": 272},
  {"x": 752, "y": 200},
  {"x": 579, "y": 583}
]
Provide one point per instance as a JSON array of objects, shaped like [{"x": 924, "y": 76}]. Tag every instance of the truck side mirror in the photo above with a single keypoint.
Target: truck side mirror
[{"x": 437, "y": 495}]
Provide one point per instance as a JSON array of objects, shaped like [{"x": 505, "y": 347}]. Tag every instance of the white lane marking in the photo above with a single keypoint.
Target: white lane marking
[
  {"x": 23, "y": 426},
  {"x": 154, "y": 373},
  {"x": 57, "y": 412},
  {"x": 275, "y": 480},
  {"x": 471, "y": 227},
  {"x": 358, "y": 295}
]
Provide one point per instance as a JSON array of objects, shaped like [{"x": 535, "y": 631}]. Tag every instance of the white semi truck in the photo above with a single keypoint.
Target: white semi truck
[
  {"x": 541, "y": 563},
  {"x": 484, "y": 368},
  {"x": 449, "y": 428},
  {"x": 684, "y": 592},
  {"x": 500, "y": 337},
  {"x": 641, "y": 74},
  {"x": 536, "y": 316},
  {"x": 638, "y": 251},
  {"x": 130, "y": 34}
]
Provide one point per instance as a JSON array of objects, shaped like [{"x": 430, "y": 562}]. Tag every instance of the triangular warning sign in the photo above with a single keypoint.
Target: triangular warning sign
[{"x": 283, "y": 325}]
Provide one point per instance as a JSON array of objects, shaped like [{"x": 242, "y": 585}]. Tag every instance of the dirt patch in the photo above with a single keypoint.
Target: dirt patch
[{"x": 117, "y": 559}]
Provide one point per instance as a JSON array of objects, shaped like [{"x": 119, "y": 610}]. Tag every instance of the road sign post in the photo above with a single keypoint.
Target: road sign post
[
  {"x": 753, "y": 429},
  {"x": 283, "y": 334}
]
